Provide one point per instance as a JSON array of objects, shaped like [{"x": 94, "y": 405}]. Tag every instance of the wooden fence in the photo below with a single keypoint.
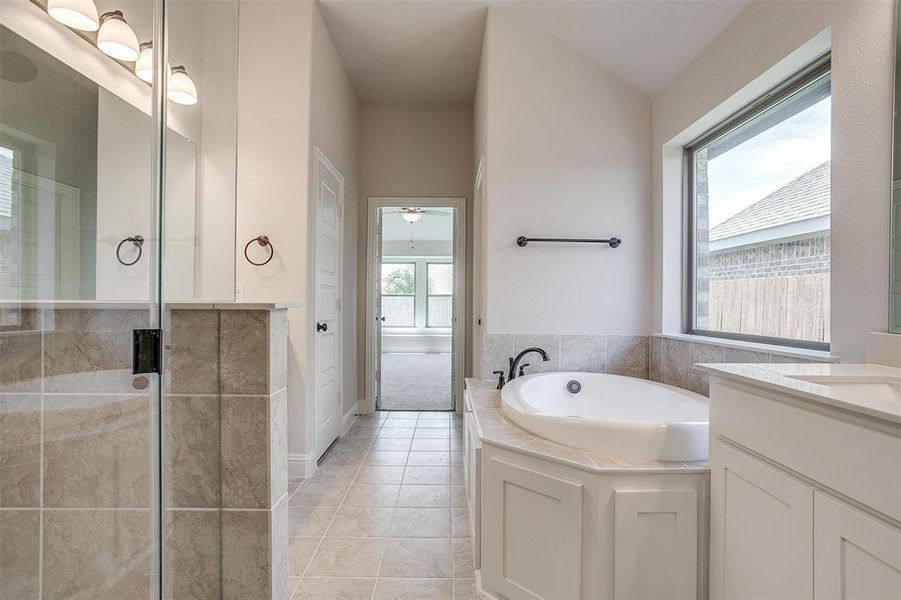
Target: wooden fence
[{"x": 793, "y": 307}]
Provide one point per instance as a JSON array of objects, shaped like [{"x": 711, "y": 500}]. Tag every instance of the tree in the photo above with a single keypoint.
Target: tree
[{"x": 399, "y": 282}]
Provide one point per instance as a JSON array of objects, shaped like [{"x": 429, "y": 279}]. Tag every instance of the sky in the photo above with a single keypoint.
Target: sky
[{"x": 766, "y": 162}]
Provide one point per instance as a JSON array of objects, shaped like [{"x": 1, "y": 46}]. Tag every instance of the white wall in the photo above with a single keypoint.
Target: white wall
[
  {"x": 411, "y": 151},
  {"x": 333, "y": 126},
  {"x": 284, "y": 109},
  {"x": 273, "y": 177},
  {"x": 735, "y": 68},
  {"x": 567, "y": 155}
]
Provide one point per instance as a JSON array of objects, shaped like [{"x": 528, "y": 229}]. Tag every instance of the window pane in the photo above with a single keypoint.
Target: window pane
[
  {"x": 398, "y": 311},
  {"x": 440, "y": 311},
  {"x": 398, "y": 278},
  {"x": 441, "y": 278},
  {"x": 762, "y": 209}
]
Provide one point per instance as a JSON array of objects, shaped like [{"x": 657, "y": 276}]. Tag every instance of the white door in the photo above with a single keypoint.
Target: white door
[
  {"x": 856, "y": 557},
  {"x": 329, "y": 191},
  {"x": 761, "y": 526},
  {"x": 377, "y": 300}
]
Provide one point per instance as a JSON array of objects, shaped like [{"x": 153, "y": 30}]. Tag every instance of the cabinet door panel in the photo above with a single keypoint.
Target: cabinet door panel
[
  {"x": 655, "y": 544},
  {"x": 533, "y": 523},
  {"x": 856, "y": 557},
  {"x": 761, "y": 530}
]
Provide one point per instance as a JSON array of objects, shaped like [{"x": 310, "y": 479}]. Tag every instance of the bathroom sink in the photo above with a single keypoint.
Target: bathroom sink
[{"x": 884, "y": 389}]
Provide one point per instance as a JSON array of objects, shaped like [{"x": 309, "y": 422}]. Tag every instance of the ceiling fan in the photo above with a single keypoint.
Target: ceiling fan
[{"x": 413, "y": 214}]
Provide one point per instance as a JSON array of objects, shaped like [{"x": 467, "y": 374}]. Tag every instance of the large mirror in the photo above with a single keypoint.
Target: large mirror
[{"x": 75, "y": 160}]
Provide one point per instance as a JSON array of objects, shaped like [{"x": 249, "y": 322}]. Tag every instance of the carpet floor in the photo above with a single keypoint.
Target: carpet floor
[{"x": 416, "y": 382}]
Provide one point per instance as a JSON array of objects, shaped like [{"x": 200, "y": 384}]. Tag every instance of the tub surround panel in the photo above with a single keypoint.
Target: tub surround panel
[
  {"x": 673, "y": 360},
  {"x": 615, "y": 354}
]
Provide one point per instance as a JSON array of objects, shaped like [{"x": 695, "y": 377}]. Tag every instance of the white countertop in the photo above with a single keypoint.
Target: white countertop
[{"x": 883, "y": 404}]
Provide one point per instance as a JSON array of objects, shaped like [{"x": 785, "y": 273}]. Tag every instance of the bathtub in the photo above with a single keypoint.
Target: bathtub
[{"x": 611, "y": 414}]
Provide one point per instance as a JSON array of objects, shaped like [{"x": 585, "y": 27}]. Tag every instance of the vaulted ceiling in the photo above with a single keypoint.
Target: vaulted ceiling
[{"x": 426, "y": 52}]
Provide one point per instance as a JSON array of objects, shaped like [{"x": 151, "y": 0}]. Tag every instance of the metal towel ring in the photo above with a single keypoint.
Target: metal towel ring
[
  {"x": 262, "y": 240},
  {"x": 138, "y": 241}
]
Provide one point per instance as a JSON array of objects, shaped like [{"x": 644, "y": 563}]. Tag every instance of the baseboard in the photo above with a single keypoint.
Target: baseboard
[
  {"x": 480, "y": 591},
  {"x": 302, "y": 465},
  {"x": 350, "y": 417}
]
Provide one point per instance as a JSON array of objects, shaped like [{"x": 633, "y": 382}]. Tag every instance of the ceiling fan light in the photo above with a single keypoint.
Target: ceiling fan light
[
  {"x": 181, "y": 87},
  {"x": 116, "y": 38},
  {"x": 77, "y": 14},
  {"x": 411, "y": 215}
]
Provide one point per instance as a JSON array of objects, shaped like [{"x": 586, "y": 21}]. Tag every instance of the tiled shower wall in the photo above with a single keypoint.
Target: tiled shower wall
[
  {"x": 664, "y": 359},
  {"x": 76, "y": 455}
]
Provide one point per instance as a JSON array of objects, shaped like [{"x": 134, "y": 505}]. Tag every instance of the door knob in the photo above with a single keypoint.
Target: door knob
[{"x": 321, "y": 326}]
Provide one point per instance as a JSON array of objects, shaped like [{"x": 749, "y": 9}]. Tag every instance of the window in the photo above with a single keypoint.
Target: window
[
  {"x": 758, "y": 206},
  {"x": 440, "y": 306},
  {"x": 399, "y": 294}
]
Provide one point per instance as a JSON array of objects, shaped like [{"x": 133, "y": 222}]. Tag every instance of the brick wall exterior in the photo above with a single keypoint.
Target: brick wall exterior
[{"x": 797, "y": 257}]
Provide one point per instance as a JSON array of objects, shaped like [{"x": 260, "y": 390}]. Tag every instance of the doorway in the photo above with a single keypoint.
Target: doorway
[{"x": 415, "y": 299}]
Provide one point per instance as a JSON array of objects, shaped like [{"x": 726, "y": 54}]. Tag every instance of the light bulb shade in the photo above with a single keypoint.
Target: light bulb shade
[
  {"x": 77, "y": 14},
  {"x": 144, "y": 64},
  {"x": 116, "y": 38},
  {"x": 411, "y": 215},
  {"x": 181, "y": 87}
]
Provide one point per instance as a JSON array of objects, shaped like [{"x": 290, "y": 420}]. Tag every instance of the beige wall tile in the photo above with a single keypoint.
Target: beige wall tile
[
  {"x": 192, "y": 357},
  {"x": 548, "y": 343},
  {"x": 244, "y": 348},
  {"x": 498, "y": 347},
  {"x": 97, "y": 554},
  {"x": 192, "y": 555},
  {"x": 20, "y": 369},
  {"x": 90, "y": 350},
  {"x": 278, "y": 350},
  {"x": 581, "y": 353},
  {"x": 627, "y": 355},
  {"x": 192, "y": 451},
  {"x": 19, "y": 548},
  {"x": 20, "y": 450},
  {"x": 278, "y": 445},
  {"x": 246, "y": 569},
  {"x": 245, "y": 452},
  {"x": 96, "y": 451}
]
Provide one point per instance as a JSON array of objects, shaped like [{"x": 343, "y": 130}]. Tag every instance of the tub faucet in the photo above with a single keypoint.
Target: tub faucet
[{"x": 514, "y": 361}]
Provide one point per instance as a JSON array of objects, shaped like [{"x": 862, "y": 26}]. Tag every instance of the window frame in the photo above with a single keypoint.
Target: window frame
[
  {"x": 413, "y": 295},
  {"x": 814, "y": 71},
  {"x": 429, "y": 263}
]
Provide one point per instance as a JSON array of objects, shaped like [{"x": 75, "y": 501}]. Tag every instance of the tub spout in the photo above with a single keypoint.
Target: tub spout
[{"x": 514, "y": 361}]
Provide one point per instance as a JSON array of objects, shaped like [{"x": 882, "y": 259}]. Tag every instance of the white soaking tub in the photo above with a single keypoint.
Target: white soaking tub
[{"x": 611, "y": 414}]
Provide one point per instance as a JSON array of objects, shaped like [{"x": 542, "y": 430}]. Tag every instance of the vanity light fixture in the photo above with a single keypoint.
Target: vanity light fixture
[
  {"x": 116, "y": 38},
  {"x": 77, "y": 14},
  {"x": 181, "y": 87},
  {"x": 144, "y": 64},
  {"x": 411, "y": 215}
]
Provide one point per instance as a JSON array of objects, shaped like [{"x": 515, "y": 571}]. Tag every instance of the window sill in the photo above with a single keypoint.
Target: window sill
[{"x": 786, "y": 351}]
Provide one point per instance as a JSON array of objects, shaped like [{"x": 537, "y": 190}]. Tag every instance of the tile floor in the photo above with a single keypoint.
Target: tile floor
[{"x": 385, "y": 516}]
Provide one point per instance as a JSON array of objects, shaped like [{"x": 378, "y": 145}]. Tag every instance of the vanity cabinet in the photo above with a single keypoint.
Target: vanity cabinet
[
  {"x": 805, "y": 499},
  {"x": 472, "y": 449}
]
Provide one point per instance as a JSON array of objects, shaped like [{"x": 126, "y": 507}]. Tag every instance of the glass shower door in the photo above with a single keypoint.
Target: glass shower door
[{"x": 79, "y": 274}]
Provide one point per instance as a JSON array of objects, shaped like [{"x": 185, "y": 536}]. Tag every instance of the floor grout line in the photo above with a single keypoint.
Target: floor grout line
[{"x": 354, "y": 480}]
